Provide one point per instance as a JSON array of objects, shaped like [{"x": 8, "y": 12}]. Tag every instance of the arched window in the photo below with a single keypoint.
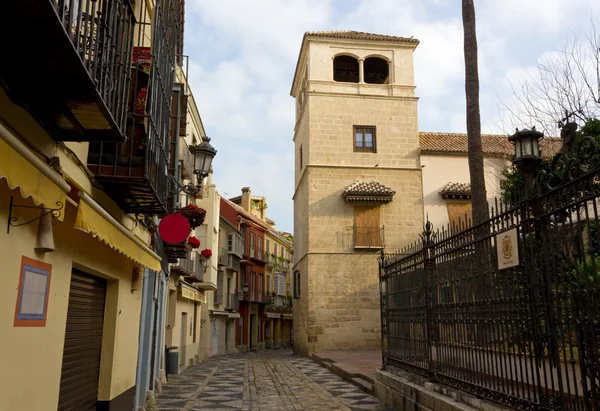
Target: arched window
[
  {"x": 376, "y": 70},
  {"x": 345, "y": 69}
]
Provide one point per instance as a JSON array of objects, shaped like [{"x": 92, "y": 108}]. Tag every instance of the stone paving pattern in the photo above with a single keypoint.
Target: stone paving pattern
[{"x": 270, "y": 380}]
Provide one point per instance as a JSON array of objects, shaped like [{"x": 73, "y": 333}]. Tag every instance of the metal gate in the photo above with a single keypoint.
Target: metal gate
[
  {"x": 83, "y": 343},
  {"x": 527, "y": 336}
]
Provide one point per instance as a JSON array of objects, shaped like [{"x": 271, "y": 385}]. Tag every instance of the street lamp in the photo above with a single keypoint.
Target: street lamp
[
  {"x": 527, "y": 152},
  {"x": 205, "y": 264},
  {"x": 203, "y": 153}
]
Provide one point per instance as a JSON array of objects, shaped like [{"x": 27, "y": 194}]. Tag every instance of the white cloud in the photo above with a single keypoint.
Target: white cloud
[{"x": 243, "y": 54}]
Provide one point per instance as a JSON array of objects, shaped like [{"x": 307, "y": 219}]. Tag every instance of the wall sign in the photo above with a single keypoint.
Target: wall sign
[
  {"x": 32, "y": 296},
  {"x": 507, "y": 247}
]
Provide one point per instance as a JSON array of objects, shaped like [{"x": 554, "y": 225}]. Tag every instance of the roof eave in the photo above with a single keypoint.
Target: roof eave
[{"x": 367, "y": 198}]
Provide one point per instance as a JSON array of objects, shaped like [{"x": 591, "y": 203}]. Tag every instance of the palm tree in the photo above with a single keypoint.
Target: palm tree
[{"x": 478, "y": 194}]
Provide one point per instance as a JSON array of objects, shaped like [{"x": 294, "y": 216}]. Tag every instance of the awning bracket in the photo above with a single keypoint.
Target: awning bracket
[{"x": 12, "y": 221}]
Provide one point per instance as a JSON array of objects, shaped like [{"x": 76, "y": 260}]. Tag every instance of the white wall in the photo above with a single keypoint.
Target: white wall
[{"x": 439, "y": 170}]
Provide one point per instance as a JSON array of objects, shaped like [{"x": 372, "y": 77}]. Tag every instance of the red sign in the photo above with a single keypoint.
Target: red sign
[
  {"x": 174, "y": 228},
  {"x": 143, "y": 55}
]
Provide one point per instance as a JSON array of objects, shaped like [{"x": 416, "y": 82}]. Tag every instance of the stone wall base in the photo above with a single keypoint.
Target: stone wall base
[{"x": 401, "y": 390}]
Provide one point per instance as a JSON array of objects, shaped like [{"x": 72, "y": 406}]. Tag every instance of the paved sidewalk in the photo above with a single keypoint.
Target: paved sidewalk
[
  {"x": 271, "y": 380},
  {"x": 356, "y": 366}
]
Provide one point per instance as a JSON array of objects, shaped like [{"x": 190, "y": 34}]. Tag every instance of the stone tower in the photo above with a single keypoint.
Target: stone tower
[{"x": 358, "y": 186}]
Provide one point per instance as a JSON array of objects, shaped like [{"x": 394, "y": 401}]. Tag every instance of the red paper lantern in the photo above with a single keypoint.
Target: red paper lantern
[{"x": 174, "y": 229}]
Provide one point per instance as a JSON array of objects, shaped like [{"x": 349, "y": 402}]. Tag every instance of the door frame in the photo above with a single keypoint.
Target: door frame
[{"x": 182, "y": 338}]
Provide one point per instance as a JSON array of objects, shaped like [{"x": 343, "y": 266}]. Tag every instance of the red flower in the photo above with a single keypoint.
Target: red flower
[
  {"x": 194, "y": 242},
  {"x": 194, "y": 214},
  {"x": 206, "y": 253}
]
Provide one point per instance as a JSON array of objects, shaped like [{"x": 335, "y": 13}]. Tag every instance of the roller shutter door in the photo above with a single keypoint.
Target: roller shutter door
[{"x": 83, "y": 343}]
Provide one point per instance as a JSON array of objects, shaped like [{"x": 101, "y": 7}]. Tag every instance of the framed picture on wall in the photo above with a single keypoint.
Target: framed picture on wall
[{"x": 32, "y": 296}]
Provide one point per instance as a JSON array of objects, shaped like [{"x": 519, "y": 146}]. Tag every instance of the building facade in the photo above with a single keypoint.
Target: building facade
[
  {"x": 79, "y": 189},
  {"x": 231, "y": 248},
  {"x": 251, "y": 286},
  {"x": 278, "y": 277},
  {"x": 358, "y": 186},
  {"x": 446, "y": 180}
]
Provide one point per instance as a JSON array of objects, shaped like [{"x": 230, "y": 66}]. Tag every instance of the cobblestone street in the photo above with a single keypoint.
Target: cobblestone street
[{"x": 270, "y": 380}]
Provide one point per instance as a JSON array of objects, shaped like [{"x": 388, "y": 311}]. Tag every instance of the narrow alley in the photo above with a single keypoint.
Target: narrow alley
[{"x": 270, "y": 380}]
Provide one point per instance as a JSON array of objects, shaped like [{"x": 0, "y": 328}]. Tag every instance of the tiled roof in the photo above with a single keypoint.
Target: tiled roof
[
  {"x": 456, "y": 190},
  {"x": 359, "y": 35},
  {"x": 368, "y": 191},
  {"x": 247, "y": 215},
  {"x": 492, "y": 144}
]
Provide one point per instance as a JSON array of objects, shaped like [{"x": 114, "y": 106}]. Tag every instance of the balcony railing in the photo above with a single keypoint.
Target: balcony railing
[
  {"x": 70, "y": 64},
  {"x": 233, "y": 262},
  {"x": 198, "y": 266},
  {"x": 187, "y": 263},
  {"x": 237, "y": 244},
  {"x": 368, "y": 237},
  {"x": 175, "y": 252},
  {"x": 223, "y": 254},
  {"x": 134, "y": 173},
  {"x": 277, "y": 262},
  {"x": 234, "y": 301}
]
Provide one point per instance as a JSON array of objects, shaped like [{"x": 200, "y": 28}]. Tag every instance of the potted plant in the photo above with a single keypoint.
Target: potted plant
[
  {"x": 206, "y": 254},
  {"x": 194, "y": 214},
  {"x": 192, "y": 242}
]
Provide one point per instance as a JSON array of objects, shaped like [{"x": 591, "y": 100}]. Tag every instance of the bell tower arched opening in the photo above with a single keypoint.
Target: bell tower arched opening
[
  {"x": 376, "y": 71},
  {"x": 345, "y": 69}
]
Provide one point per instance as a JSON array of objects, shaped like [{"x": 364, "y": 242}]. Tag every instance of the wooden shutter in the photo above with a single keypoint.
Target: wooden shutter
[
  {"x": 83, "y": 343},
  {"x": 183, "y": 118},
  {"x": 367, "y": 231},
  {"x": 458, "y": 213}
]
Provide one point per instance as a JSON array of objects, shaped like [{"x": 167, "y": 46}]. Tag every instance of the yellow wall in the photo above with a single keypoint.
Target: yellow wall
[
  {"x": 177, "y": 306},
  {"x": 34, "y": 354}
]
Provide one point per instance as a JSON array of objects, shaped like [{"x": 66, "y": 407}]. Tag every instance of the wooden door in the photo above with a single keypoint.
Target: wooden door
[{"x": 367, "y": 231}]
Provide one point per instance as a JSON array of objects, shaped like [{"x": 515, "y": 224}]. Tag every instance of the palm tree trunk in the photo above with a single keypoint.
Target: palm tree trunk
[{"x": 478, "y": 194}]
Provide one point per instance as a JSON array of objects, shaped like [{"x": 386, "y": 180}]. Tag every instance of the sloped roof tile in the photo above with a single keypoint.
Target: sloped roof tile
[
  {"x": 368, "y": 191},
  {"x": 454, "y": 190},
  {"x": 497, "y": 144},
  {"x": 359, "y": 35}
]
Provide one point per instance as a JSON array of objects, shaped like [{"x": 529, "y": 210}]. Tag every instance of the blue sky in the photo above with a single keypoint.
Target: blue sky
[{"x": 243, "y": 55}]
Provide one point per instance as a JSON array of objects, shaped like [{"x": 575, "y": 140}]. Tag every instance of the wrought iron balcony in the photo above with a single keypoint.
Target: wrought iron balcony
[
  {"x": 368, "y": 237},
  {"x": 176, "y": 252},
  {"x": 68, "y": 65},
  {"x": 134, "y": 173}
]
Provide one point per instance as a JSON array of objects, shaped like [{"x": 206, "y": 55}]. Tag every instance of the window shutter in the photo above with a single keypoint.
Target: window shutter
[
  {"x": 281, "y": 285},
  {"x": 458, "y": 211},
  {"x": 276, "y": 283},
  {"x": 367, "y": 231}
]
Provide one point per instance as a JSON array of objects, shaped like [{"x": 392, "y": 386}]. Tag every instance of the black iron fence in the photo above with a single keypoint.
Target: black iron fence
[{"x": 508, "y": 310}]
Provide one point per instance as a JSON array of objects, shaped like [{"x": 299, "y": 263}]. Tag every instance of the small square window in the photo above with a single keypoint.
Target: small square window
[{"x": 364, "y": 139}]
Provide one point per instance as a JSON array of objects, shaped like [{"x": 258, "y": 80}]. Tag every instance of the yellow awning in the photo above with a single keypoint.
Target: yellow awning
[
  {"x": 20, "y": 173},
  {"x": 90, "y": 221}
]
